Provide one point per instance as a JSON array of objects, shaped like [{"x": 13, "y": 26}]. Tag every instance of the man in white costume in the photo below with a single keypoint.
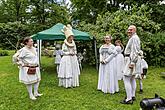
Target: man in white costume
[{"x": 132, "y": 65}]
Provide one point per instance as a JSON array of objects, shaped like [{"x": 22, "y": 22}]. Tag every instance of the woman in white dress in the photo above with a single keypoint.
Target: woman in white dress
[
  {"x": 27, "y": 60},
  {"x": 107, "y": 81},
  {"x": 69, "y": 68},
  {"x": 119, "y": 59}
]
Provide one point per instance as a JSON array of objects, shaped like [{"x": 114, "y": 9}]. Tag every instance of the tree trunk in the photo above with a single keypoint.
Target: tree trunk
[{"x": 17, "y": 6}]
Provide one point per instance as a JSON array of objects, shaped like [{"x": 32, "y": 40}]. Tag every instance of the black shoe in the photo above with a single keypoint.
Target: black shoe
[
  {"x": 126, "y": 102},
  {"x": 141, "y": 91},
  {"x": 116, "y": 92},
  {"x": 133, "y": 99}
]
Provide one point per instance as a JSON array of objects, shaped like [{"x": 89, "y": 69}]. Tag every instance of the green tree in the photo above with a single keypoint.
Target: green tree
[
  {"x": 158, "y": 14},
  {"x": 88, "y": 10},
  {"x": 13, "y": 10},
  {"x": 12, "y": 34},
  {"x": 45, "y": 12},
  {"x": 117, "y": 23}
]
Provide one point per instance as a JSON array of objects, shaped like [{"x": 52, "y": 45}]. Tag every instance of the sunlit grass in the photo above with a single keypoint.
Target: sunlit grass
[{"x": 14, "y": 96}]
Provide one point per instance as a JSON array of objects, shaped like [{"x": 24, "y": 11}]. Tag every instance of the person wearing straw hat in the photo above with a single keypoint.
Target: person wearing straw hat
[{"x": 69, "y": 68}]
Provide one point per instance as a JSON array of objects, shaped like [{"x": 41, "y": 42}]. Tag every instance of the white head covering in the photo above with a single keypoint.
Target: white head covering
[{"x": 67, "y": 31}]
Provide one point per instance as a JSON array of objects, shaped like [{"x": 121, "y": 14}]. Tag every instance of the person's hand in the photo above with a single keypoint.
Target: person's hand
[
  {"x": 18, "y": 64},
  {"x": 103, "y": 62},
  {"x": 131, "y": 66},
  {"x": 142, "y": 76}
]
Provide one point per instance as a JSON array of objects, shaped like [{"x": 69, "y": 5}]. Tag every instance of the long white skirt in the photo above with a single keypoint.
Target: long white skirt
[
  {"x": 69, "y": 72},
  {"x": 107, "y": 81},
  {"x": 120, "y": 66}
]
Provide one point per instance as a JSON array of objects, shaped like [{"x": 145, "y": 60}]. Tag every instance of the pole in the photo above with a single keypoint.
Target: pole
[{"x": 95, "y": 46}]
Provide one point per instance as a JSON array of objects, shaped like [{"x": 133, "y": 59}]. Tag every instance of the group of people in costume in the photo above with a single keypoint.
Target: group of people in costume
[{"x": 114, "y": 65}]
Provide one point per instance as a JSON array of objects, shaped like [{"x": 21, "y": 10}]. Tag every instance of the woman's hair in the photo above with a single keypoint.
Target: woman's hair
[
  {"x": 26, "y": 40},
  {"x": 107, "y": 36},
  {"x": 119, "y": 41}
]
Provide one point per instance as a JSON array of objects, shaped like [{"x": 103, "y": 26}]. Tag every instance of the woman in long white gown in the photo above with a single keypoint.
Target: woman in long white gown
[
  {"x": 69, "y": 68},
  {"x": 107, "y": 81},
  {"x": 119, "y": 59}
]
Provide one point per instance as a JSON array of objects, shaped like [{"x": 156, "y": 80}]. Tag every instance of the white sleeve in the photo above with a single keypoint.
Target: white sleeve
[
  {"x": 61, "y": 52},
  {"x": 113, "y": 54},
  {"x": 65, "y": 50},
  {"x": 54, "y": 53},
  {"x": 21, "y": 57},
  {"x": 75, "y": 49},
  {"x": 135, "y": 48},
  {"x": 101, "y": 56}
]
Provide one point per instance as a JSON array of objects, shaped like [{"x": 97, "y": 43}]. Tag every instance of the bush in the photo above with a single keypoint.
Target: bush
[
  {"x": 117, "y": 23},
  {"x": 4, "y": 53},
  {"x": 12, "y": 34},
  {"x": 153, "y": 46}
]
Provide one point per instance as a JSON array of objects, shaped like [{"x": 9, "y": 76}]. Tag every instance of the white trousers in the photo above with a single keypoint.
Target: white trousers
[
  {"x": 30, "y": 89},
  {"x": 57, "y": 67},
  {"x": 130, "y": 86}
]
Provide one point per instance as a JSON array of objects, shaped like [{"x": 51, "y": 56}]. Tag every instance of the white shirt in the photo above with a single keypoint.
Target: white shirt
[{"x": 133, "y": 48}]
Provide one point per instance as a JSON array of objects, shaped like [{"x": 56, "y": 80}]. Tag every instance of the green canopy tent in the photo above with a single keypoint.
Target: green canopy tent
[{"x": 55, "y": 33}]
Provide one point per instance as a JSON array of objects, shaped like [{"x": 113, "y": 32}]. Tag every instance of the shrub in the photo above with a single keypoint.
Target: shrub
[{"x": 4, "y": 53}]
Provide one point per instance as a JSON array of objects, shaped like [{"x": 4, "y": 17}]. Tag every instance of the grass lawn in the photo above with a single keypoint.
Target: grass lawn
[{"x": 14, "y": 96}]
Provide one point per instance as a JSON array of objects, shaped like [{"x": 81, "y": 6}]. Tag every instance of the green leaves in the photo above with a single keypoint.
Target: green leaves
[
  {"x": 11, "y": 34},
  {"x": 117, "y": 23},
  {"x": 33, "y": 11}
]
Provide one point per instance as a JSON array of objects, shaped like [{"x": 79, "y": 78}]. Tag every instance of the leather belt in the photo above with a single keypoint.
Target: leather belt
[{"x": 30, "y": 66}]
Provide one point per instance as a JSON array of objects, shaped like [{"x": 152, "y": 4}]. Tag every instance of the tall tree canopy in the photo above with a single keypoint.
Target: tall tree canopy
[
  {"x": 88, "y": 10},
  {"x": 33, "y": 11}
]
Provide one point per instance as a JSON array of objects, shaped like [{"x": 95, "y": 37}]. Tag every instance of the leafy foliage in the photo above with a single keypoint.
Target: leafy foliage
[
  {"x": 4, "y": 53},
  {"x": 12, "y": 34},
  {"x": 158, "y": 14},
  {"x": 153, "y": 46},
  {"x": 33, "y": 11},
  {"x": 117, "y": 23},
  {"x": 88, "y": 10}
]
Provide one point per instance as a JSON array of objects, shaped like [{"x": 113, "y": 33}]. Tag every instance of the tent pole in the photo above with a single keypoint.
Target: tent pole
[
  {"x": 39, "y": 51},
  {"x": 96, "y": 54}
]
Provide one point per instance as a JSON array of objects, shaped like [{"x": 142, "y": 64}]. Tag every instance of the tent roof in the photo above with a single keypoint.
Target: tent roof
[{"x": 55, "y": 33}]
